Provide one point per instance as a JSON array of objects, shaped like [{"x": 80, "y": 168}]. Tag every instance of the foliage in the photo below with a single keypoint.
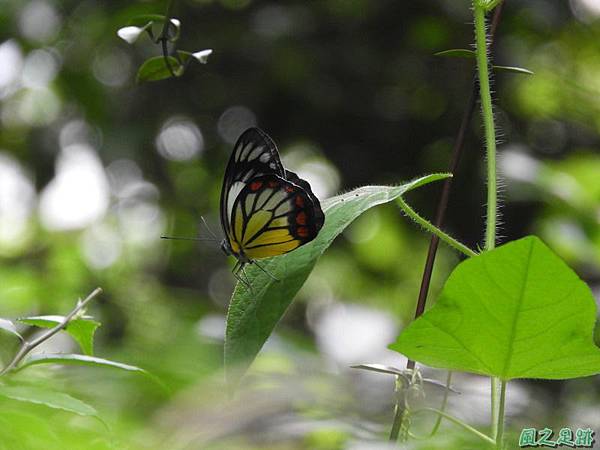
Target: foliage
[
  {"x": 515, "y": 312},
  {"x": 255, "y": 309},
  {"x": 95, "y": 167}
]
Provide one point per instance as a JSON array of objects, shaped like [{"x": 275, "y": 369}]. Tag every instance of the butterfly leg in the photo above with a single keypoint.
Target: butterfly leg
[
  {"x": 266, "y": 271},
  {"x": 239, "y": 267},
  {"x": 246, "y": 281}
]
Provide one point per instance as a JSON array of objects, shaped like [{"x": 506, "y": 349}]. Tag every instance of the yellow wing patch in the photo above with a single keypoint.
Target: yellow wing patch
[{"x": 271, "y": 250}]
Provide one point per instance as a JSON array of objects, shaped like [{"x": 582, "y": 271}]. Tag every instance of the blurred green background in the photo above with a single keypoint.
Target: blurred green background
[{"x": 94, "y": 168}]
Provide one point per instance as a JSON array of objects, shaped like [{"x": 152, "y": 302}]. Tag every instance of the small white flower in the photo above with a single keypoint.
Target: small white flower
[
  {"x": 130, "y": 34},
  {"x": 202, "y": 55}
]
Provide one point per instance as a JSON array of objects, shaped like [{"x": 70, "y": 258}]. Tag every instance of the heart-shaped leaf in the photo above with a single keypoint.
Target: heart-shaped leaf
[
  {"x": 254, "y": 312},
  {"x": 155, "y": 69},
  {"x": 514, "y": 312}
]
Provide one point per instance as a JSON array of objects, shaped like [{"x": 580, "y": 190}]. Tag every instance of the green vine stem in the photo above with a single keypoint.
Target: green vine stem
[
  {"x": 500, "y": 424},
  {"x": 488, "y": 121},
  {"x": 438, "y": 421},
  {"x": 458, "y": 422},
  {"x": 483, "y": 69},
  {"x": 434, "y": 230}
]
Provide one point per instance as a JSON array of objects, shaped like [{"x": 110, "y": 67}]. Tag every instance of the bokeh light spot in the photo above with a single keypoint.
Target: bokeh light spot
[
  {"x": 179, "y": 140},
  {"x": 78, "y": 195},
  {"x": 234, "y": 121}
]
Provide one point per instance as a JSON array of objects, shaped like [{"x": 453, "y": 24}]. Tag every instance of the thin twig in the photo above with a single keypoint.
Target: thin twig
[
  {"x": 164, "y": 37},
  {"x": 26, "y": 347}
]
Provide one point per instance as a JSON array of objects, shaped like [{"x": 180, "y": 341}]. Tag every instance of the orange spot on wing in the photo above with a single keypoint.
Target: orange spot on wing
[
  {"x": 301, "y": 218},
  {"x": 299, "y": 201},
  {"x": 302, "y": 232},
  {"x": 289, "y": 189},
  {"x": 255, "y": 185}
]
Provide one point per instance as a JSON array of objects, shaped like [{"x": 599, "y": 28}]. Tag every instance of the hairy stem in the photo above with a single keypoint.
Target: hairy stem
[
  {"x": 483, "y": 66},
  {"x": 440, "y": 215},
  {"x": 485, "y": 93},
  {"x": 27, "y": 346},
  {"x": 434, "y": 230}
]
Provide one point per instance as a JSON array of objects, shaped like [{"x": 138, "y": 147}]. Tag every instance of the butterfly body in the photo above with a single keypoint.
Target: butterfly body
[{"x": 266, "y": 210}]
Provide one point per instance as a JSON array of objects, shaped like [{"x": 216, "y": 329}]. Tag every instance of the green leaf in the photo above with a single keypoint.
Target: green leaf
[
  {"x": 43, "y": 396},
  {"x": 457, "y": 53},
  {"x": 254, "y": 313},
  {"x": 514, "y": 312},
  {"x": 143, "y": 19},
  {"x": 84, "y": 360},
  {"x": 513, "y": 69},
  {"x": 470, "y": 54},
  {"x": 9, "y": 326},
  {"x": 81, "y": 329},
  {"x": 155, "y": 69}
]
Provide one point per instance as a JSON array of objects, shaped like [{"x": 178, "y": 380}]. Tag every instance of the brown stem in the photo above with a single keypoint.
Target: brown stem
[
  {"x": 457, "y": 152},
  {"x": 440, "y": 216}
]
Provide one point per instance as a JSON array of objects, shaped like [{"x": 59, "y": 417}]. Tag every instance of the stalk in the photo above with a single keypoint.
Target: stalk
[
  {"x": 492, "y": 186},
  {"x": 485, "y": 95}
]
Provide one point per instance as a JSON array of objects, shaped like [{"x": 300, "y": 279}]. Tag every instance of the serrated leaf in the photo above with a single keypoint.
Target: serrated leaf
[
  {"x": 513, "y": 69},
  {"x": 155, "y": 69},
  {"x": 85, "y": 360},
  {"x": 9, "y": 326},
  {"x": 81, "y": 329},
  {"x": 253, "y": 313},
  {"x": 457, "y": 53},
  {"x": 43, "y": 396},
  {"x": 514, "y": 312}
]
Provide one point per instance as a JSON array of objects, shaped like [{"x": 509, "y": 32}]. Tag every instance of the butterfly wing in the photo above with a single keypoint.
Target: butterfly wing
[
  {"x": 254, "y": 155},
  {"x": 319, "y": 217},
  {"x": 272, "y": 216}
]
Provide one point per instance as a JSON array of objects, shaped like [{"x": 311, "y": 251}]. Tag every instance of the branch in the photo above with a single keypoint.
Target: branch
[
  {"x": 164, "y": 37},
  {"x": 26, "y": 347}
]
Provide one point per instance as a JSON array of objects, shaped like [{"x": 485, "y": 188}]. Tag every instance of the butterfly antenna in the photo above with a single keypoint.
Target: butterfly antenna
[
  {"x": 178, "y": 238},
  {"x": 208, "y": 228},
  {"x": 266, "y": 271}
]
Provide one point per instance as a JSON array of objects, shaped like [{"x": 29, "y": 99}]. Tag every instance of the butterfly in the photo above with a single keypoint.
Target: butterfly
[{"x": 266, "y": 210}]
